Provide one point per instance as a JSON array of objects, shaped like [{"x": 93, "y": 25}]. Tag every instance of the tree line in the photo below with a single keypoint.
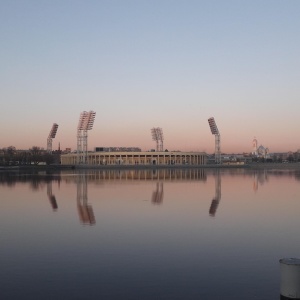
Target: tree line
[{"x": 10, "y": 156}]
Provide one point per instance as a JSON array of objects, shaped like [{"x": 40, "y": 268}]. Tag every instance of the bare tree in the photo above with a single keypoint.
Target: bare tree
[
  {"x": 36, "y": 155},
  {"x": 9, "y": 155}
]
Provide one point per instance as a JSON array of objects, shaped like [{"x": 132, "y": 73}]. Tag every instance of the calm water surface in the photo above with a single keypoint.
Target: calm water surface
[{"x": 155, "y": 234}]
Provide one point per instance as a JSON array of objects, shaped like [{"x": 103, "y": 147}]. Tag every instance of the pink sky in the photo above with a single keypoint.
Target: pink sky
[{"x": 138, "y": 67}]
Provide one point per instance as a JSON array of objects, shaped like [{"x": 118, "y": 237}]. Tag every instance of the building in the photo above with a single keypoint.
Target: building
[
  {"x": 117, "y": 149},
  {"x": 260, "y": 151},
  {"x": 137, "y": 158},
  {"x": 263, "y": 152}
]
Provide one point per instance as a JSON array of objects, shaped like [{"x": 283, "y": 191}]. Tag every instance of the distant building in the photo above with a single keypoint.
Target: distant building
[
  {"x": 263, "y": 152},
  {"x": 260, "y": 151}
]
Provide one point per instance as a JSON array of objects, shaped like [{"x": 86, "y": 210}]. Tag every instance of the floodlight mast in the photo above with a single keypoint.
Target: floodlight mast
[
  {"x": 215, "y": 131},
  {"x": 158, "y": 137},
  {"x": 86, "y": 122},
  {"x": 51, "y": 136},
  {"x": 155, "y": 137}
]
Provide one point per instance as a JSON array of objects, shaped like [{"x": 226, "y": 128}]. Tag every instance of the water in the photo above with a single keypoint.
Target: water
[{"x": 148, "y": 234}]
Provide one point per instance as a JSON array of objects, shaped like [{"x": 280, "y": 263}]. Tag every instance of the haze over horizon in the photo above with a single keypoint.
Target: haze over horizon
[{"x": 143, "y": 64}]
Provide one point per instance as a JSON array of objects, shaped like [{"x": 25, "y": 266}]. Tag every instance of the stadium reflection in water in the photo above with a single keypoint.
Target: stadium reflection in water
[
  {"x": 85, "y": 210},
  {"x": 147, "y": 234}
]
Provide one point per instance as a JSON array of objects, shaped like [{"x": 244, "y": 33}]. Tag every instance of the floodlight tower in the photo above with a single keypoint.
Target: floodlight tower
[
  {"x": 215, "y": 131},
  {"x": 51, "y": 136},
  {"x": 158, "y": 136},
  {"x": 86, "y": 122}
]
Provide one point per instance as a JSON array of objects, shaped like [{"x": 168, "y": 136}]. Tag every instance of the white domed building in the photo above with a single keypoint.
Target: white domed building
[
  {"x": 260, "y": 151},
  {"x": 263, "y": 152}
]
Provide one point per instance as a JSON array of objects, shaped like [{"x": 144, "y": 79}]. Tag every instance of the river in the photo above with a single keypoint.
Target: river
[{"x": 147, "y": 234}]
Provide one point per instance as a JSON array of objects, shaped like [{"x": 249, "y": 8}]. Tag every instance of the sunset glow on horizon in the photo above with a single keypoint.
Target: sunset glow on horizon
[{"x": 145, "y": 64}]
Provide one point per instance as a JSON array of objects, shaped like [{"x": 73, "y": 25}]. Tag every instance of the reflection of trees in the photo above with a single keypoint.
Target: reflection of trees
[
  {"x": 297, "y": 175},
  {"x": 216, "y": 200},
  {"x": 85, "y": 211},
  {"x": 158, "y": 194},
  {"x": 8, "y": 178},
  {"x": 35, "y": 179},
  {"x": 36, "y": 183}
]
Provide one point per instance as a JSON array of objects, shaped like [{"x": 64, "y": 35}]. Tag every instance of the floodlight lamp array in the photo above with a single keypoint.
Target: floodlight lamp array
[
  {"x": 213, "y": 126},
  {"x": 154, "y": 134},
  {"x": 160, "y": 134},
  {"x": 157, "y": 134},
  {"x": 86, "y": 120},
  {"x": 53, "y": 131},
  {"x": 81, "y": 120},
  {"x": 90, "y": 120}
]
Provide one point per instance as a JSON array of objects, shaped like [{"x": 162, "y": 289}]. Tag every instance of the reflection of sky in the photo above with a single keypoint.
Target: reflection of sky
[{"x": 137, "y": 250}]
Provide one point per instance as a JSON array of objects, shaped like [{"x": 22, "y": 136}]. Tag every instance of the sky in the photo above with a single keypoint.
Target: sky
[{"x": 157, "y": 63}]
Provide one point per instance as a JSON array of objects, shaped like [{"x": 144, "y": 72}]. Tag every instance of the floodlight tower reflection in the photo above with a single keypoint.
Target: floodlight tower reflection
[
  {"x": 85, "y": 211},
  {"x": 216, "y": 200},
  {"x": 158, "y": 194},
  {"x": 86, "y": 122},
  {"x": 215, "y": 131},
  {"x": 51, "y": 136},
  {"x": 158, "y": 137},
  {"x": 51, "y": 197}
]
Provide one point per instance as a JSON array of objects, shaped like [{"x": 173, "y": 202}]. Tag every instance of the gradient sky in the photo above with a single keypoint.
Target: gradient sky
[{"x": 157, "y": 63}]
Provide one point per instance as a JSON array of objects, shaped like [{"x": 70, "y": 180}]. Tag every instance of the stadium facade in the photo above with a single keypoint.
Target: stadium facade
[{"x": 137, "y": 158}]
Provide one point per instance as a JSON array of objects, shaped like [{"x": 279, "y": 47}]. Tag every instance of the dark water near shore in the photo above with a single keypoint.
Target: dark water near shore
[{"x": 147, "y": 234}]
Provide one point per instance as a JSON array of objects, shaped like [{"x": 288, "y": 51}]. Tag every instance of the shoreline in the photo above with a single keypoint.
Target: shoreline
[{"x": 252, "y": 166}]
